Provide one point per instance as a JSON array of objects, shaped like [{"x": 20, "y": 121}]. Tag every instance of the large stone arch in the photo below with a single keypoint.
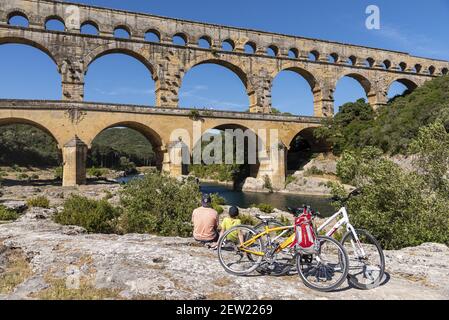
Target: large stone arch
[
  {"x": 122, "y": 48},
  {"x": 363, "y": 80},
  {"x": 408, "y": 83},
  {"x": 311, "y": 79},
  {"x": 230, "y": 65},
  {"x": 44, "y": 127},
  {"x": 213, "y": 125},
  {"x": 153, "y": 137},
  {"x": 32, "y": 43}
]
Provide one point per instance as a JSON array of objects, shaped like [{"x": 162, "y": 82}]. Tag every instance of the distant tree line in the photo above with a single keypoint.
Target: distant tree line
[{"x": 25, "y": 145}]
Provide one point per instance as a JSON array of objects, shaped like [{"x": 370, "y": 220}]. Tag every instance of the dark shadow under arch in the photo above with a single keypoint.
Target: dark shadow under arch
[{"x": 301, "y": 149}]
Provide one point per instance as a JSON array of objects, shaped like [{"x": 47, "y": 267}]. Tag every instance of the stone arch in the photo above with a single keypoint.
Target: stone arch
[
  {"x": 155, "y": 32},
  {"x": 32, "y": 43},
  {"x": 224, "y": 63},
  {"x": 253, "y": 167},
  {"x": 93, "y": 23},
  {"x": 313, "y": 82},
  {"x": 183, "y": 36},
  {"x": 125, "y": 27},
  {"x": 17, "y": 12},
  {"x": 361, "y": 79},
  {"x": 123, "y": 49},
  {"x": 274, "y": 49},
  {"x": 54, "y": 17},
  {"x": 408, "y": 83},
  {"x": 41, "y": 126},
  {"x": 293, "y": 53},
  {"x": 444, "y": 71},
  {"x": 301, "y": 145},
  {"x": 153, "y": 137},
  {"x": 252, "y": 45},
  {"x": 230, "y": 43},
  {"x": 207, "y": 39}
]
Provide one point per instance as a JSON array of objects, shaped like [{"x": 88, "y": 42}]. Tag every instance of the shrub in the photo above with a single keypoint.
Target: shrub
[
  {"x": 22, "y": 176},
  {"x": 127, "y": 166},
  {"x": 58, "y": 173},
  {"x": 267, "y": 183},
  {"x": 314, "y": 171},
  {"x": 7, "y": 215},
  {"x": 264, "y": 207},
  {"x": 401, "y": 208},
  {"x": 97, "y": 172},
  {"x": 289, "y": 179},
  {"x": 39, "y": 202},
  {"x": 217, "y": 203},
  {"x": 159, "y": 204},
  {"x": 96, "y": 216},
  {"x": 248, "y": 220}
]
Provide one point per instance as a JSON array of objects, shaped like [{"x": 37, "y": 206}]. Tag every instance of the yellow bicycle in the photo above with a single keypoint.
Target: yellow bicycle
[{"x": 322, "y": 266}]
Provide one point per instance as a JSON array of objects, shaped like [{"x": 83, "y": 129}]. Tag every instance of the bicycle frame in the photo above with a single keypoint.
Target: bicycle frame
[
  {"x": 288, "y": 242},
  {"x": 291, "y": 241},
  {"x": 343, "y": 221}
]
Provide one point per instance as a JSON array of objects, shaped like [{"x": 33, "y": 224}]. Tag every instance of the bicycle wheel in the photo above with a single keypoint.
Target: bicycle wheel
[
  {"x": 235, "y": 260},
  {"x": 283, "y": 263},
  {"x": 325, "y": 270},
  {"x": 365, "y": 271}
]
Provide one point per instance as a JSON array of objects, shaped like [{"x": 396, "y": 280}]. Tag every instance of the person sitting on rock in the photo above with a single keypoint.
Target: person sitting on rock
[
  {"x": 228, "y": 223},
  {"x": 205, "y": 222}
]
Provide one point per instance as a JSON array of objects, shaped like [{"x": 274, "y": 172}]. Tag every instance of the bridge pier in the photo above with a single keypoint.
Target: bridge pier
[
  {"x": 274, "y": 166},
  {"x": 74, "y": 154},
  {"x": 175, "y": 159}
]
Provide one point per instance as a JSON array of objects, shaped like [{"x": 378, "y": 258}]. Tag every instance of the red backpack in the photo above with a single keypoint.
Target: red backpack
[{"x": 305, "y": 234}]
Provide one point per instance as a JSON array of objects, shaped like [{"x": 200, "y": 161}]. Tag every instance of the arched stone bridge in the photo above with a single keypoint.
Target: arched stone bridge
[
  {"x": 256, "y": 57},
  {"x": 74, "y": 125}
]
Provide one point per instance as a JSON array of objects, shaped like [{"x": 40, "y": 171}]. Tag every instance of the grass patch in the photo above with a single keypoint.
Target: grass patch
[
  {"x": 17, "y": 270},
  {"x": 58, "y": 291},
  {"x": 7, "y": 214},
  {"x": 39, "y": 202}
]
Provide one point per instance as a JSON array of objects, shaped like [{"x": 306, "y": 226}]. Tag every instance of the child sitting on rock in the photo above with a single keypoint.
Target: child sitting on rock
[{"x": 228, "y": 223}]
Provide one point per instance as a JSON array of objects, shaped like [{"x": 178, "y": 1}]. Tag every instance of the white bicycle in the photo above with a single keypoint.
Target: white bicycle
[{"x": 366, "y": 257}]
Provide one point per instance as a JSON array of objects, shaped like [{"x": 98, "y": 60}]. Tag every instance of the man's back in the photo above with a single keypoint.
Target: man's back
[{"x": 205, "y": 222}]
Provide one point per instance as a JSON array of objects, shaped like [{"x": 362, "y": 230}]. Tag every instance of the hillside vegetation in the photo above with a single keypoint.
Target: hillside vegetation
[
  {"x": 394, "y": 126},
  {"x": 400, "y": 207}
]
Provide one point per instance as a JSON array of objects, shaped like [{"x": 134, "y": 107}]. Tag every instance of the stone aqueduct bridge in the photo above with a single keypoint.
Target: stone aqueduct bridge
[{"x": 73, "y": 52}]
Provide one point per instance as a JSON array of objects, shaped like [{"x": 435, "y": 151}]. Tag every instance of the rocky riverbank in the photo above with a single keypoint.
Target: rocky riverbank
[{"x": 43, "y": 260}]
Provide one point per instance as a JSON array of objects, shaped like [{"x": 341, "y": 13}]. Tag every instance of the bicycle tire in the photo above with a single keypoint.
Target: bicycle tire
[
  {"x": 342, "y": 255},
  {"x": 221, "y": 250},
  {"x": 352, "y": 279}
]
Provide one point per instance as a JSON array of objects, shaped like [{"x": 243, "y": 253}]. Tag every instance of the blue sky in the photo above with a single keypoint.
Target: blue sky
[{"x": 418, "y": 27}]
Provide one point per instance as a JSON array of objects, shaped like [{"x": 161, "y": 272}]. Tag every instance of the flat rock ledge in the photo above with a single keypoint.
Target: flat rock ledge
[{"x": 150, "y": 267}]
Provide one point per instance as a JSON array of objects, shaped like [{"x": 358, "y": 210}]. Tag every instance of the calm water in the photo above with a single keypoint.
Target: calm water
[
  {"x": 246, "y": 199},
  {"x": 277, "y": 200}
]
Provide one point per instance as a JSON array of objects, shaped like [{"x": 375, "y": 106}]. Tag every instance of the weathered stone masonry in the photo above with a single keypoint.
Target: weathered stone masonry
[{"x": 73, "y": 52}]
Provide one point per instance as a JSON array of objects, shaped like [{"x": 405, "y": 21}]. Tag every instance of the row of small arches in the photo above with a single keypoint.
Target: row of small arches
[{"x": 55, "y": 23}]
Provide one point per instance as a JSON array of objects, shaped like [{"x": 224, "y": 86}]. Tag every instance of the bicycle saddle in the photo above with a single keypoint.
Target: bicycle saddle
[{"x": 265, "y": 218}]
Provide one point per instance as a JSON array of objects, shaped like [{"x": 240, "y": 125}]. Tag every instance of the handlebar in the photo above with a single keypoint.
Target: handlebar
[{"x": 299, "y": 211}]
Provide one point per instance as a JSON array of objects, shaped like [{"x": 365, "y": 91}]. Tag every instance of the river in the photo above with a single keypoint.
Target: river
[{"x": 246, "y": 199}]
